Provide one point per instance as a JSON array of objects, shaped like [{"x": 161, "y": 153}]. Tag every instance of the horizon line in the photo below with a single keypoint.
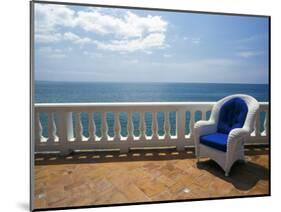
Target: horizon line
[{"x": 250, "y": 83}]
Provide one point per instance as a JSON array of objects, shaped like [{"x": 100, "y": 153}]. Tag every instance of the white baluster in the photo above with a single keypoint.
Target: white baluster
[
  {"x": 130, "y": 127},
  {"x": 204, "y": 114},
  {"x": 191, "y": 123},
  {"x": 167, "y": 127},
  {"x": 65, "y": 128},
  {"x": 92, "y": 127},
  {"x": 104, "y": 128},
  {"x": 78, "y": 127},
  {"x": 154, "y": 126},
  {"x": 117, "y": 126},
  {"x": 38, "y": 128},
  {"x": 257, "y": 125},
  {"x": 142, "y": 127},
  {"x": 265, "y": 124},
  {"x": 51, "y": 127},
  {"x": 181, "y": 129}
]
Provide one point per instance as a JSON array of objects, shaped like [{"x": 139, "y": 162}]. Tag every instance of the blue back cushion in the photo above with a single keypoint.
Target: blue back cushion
[{"x": 232, "y": 115}]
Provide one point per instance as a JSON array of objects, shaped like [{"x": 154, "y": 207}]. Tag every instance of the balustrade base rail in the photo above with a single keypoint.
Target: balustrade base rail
[{"x": 66, "y": 132}]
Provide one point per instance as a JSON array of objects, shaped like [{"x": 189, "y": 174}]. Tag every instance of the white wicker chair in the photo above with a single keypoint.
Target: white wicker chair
[{"x": 235, "y": 139}]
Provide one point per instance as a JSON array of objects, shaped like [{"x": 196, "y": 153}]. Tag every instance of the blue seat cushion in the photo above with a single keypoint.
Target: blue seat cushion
[
  {"x": 215, "y": 140},
  {"x": 232, "y": 115}
]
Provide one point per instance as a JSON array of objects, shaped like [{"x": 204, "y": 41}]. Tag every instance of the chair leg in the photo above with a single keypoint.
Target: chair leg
[{"x": 226, "y": 171}]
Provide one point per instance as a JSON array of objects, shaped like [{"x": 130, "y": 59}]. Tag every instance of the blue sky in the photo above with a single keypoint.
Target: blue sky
[{"x": 100, "y": 44}]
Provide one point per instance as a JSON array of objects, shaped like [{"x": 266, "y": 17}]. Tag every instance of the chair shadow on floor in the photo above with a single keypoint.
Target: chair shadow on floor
[{"x": 243, "y": 176}]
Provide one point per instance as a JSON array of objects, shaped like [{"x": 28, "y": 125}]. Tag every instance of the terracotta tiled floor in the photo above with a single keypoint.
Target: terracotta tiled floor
[{"x": 143, "y": 176}]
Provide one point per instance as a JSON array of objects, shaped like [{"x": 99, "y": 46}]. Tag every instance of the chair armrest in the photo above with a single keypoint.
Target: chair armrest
[
  {"x": 204, "y": 127},
  {"x": 236, "y": 138},
  {"x": 238, "y": 133}
]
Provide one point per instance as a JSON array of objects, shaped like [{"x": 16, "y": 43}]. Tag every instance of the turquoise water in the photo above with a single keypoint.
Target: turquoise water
[{"x": 65, "y": 92}]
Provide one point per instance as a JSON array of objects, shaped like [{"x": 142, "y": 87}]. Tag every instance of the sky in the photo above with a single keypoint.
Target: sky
[{"x": 94, "y": 44}]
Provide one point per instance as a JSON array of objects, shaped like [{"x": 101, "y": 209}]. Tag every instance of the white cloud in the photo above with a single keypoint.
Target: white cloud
[
  {"x": 71, "y": 36},
  {"x": 93, "y": 54},
  {"x": 218, "y": 61},
  {"x": 248, "y": 43},
  {"x": 56, "y": 37},
  {"x": 151, "y": 41},
  {"x": 48, "y": 38},
  {"x": 75, "y": 38},
  {"x": 252, "y": 38},
  {"x": 57, "y": 56},
  {"x": 167, "y": 55},
  {"x": 51, "y": 52},
  {"x": 134, "y": 61},
  {"x": 128, "y": 26},
  {"x": 130, "y": 32},
  {"x": 200, "y": 64},
  {"x": 147, "y": 52},
  {"x": 48, "y": 17},
  {"x": 247, "y": 54}
]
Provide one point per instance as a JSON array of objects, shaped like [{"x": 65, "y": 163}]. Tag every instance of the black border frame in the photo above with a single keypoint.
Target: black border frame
[{"x": 31, "y": 106}]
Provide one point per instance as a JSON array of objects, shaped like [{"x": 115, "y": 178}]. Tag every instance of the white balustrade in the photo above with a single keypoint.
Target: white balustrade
[
  {"x": 167, "y": 127},
  {"x": 63, "y": 139},
  {"x": 203, "y": 114},
  {"x": 117, "y": 128},
  {"x": 104, "y": 128},
  {"x": 65, "y": 127},
  {"x": 180, "y": 126},
  {"x": 154, "y": 127},
  {"x": 130, "y": 127},
  {"x": 52, "y": 129},
  {"x": 265, "y": 133},
  {"x": 191, "y": 123},
  {"x": 265, "y": 123},
  {"x": 38, "y": 128},
  {"x": 78, "y": 127},
  {"x": 92, "y": 127},
  {"x": 257, "y": 133},
  {"x": 142, "y": 127}
]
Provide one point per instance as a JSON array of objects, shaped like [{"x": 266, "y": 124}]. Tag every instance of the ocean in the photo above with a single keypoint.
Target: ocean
[{"x": 66, "y": 92}]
